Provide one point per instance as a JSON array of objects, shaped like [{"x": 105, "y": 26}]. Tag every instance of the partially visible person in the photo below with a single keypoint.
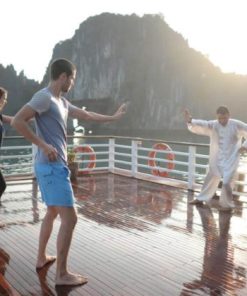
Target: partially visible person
[
  {"x": 3, "y": 119},
  {"x": 51, "y": 110},
  {"x": 226, "y": 136},
  {"x": 5, "y": 287}
]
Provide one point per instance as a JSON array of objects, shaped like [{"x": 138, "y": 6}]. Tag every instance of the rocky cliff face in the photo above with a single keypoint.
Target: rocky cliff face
[{"x": 142, "y": 60}]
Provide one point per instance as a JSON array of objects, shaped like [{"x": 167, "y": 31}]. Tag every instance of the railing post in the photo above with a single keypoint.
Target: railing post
[
  {"x": 111, "y": 155},
  {"x": 34, "y": 151},
  {"x": 134, "y": 156},
  {"x": 191, "y": 167}
]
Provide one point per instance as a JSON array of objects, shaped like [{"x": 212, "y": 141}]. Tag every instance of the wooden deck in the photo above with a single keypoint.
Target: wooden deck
[{"x": 133, "y": 238}]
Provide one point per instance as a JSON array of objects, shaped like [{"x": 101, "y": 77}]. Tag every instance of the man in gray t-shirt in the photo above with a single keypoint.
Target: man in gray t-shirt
[
  {"x": 50, "y": 110},
  {"x": 51, "y": 122}
]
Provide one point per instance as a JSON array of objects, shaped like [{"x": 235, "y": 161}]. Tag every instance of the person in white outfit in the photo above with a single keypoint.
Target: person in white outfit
[{"x": 226, "y": 136}]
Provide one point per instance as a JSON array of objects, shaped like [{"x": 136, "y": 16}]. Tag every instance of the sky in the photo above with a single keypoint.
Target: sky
[{"x": 31, "y": 28}]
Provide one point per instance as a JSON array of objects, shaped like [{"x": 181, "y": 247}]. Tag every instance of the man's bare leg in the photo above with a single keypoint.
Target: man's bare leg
[
  {"x": 68, "y": 221},
  {"x": 45, "y": 232}
]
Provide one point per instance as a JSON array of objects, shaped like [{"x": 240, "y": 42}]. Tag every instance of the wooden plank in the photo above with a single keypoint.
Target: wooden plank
[{"x": 132, "y": 238}]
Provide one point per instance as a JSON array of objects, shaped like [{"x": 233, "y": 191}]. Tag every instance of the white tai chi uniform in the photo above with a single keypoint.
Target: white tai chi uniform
[{"x": 225, "y": 142}]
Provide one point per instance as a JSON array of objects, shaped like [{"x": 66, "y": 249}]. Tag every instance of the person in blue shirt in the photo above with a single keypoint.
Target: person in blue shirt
[
  {"x": 3, "y": 119},
  {"x": 50, "y": 110}
]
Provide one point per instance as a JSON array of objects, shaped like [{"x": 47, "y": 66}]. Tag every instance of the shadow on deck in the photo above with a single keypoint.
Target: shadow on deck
[{"x": 132, "y": 238}]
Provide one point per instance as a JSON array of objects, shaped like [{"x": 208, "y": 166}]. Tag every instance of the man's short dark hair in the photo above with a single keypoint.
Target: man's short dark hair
[
  {"x": 223, "y": 110},
  {"x": 60, "y": 66}
]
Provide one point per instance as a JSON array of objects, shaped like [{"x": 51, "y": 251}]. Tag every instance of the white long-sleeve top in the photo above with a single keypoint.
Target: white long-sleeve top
[{"x": 225, "y": 142}]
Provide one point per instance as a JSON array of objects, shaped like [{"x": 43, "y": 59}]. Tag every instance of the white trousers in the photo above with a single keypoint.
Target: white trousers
[{"x": 210, "y": 186}]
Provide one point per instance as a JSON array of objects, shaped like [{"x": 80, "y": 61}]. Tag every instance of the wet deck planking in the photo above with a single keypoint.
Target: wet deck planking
[{"x": 133, "y": 238}]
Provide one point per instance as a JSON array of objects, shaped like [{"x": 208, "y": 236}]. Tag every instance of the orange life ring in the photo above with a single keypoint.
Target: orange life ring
[
  {"x": 152, "y": 162},
  {"x": 92, "y": 157}
]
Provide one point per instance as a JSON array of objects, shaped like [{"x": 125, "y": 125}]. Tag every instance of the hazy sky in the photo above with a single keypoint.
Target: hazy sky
[{"x": 31, "y": 28}]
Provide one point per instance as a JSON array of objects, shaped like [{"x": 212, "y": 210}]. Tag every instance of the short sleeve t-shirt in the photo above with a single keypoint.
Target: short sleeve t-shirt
[{"x": 51, "y": 122}]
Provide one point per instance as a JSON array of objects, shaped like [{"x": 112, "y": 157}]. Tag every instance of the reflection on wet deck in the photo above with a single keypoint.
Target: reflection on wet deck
[{"x": 132, "y": 238}]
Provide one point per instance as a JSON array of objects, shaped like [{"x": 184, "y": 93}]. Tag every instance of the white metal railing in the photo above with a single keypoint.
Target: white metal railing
[{"x": 129, "y": 156}]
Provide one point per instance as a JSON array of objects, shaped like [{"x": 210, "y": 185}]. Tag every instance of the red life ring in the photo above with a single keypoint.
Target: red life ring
[
  {"x": 92, "y": 157},
  {"x": 152, "y": 162}
]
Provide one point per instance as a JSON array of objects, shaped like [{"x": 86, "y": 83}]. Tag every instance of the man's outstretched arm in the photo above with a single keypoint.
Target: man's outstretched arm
[
  {"x": 197, "y": 126},
  {"x": 187, "y": 116},
  {"x": 92, "y": 116}
]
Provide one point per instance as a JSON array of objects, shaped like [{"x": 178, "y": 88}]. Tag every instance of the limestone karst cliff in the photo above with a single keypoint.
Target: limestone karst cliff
[{"x": 144, "y": 61}]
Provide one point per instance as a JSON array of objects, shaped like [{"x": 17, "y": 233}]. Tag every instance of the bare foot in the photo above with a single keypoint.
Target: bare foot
[
  {"x": 47, "y": 260},
  {"x": 196, "y": 202},
  {"x": 71, "y": 279},
  {"x": 225, "y": 209}
]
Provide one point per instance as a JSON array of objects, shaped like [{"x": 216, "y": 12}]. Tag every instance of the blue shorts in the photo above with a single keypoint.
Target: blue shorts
[{"x": 54, "y": 184}]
